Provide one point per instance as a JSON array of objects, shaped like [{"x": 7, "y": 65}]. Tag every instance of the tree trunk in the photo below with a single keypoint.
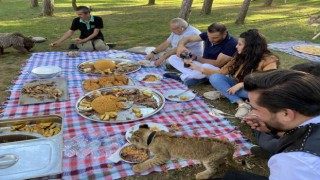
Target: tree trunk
[
  {"x": 74, "y": 4},
  {"x": 34, "y": 3},
  {"x": 206, "y": 7},
  {"x": 243, "y": 12},
  {"x": 47, "y": 7},
  {"x": 267, "y": 2},
  {"x": 185, "y": 9},
  {"x": 152, "y": 2}
]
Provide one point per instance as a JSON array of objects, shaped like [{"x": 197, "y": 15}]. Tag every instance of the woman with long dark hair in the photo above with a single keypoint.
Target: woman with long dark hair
[{"x": 252, "y": 55}]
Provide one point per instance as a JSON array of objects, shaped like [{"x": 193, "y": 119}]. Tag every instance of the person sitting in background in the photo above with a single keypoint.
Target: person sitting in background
[
  {"x": 286, "y": 101},
  {"x": 268, "y": 141},
  {"x": 219, "y": 47},
  {"x": 252, "y": 55},
  {"x": 90, "y": 27},
  {"x": 179, "y": 29}
]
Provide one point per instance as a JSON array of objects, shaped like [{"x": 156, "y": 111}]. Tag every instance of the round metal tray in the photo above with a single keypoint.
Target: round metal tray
[
  {"x": 117, "y": 61},
  {"x": 126, "y": 115},
  {"x": 316, "y": 53}
]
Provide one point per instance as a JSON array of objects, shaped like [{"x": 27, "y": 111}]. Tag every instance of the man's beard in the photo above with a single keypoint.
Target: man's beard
[{"x": 274, "y": 129}]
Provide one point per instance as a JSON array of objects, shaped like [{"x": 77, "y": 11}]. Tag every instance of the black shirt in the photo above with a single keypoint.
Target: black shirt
[{"x": 88, "y": 28}]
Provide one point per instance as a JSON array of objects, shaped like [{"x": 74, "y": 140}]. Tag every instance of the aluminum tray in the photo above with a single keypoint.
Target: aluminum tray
[
  {"x": 61, "y": 83},
  {"x": 125, "y": 114},
  {"x": 130, "y": 83},
  {"x": 29, "y": 155},
  {"x": 116, "y": 60}
]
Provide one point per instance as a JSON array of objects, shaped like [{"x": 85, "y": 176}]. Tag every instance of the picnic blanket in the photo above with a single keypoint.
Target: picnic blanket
[
  {"x": 287, "y": 48},
  {"x": 198, "y": 123}
]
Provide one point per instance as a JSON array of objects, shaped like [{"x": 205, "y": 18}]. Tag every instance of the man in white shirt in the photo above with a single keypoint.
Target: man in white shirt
[
  {"x": 286, "y": 102},
  {"x": 179, "y": 29}
]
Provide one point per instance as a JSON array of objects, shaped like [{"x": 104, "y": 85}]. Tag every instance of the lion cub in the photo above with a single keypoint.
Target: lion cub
[{"x": 212, "y": 152}]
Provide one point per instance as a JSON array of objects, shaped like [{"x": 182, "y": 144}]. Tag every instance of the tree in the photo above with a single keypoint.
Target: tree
[
  {"x": 74, "y": 4},
  {"x": 185, "y": 9},
  {"x": 206, "y": 7},
  {"x": 47, "y": 7},
  {"x": 34, "y": 3},
  {"x": 151, "y": 2},
  {"x": 267, "y": 2},
  {"x": 243, "y": 12}
]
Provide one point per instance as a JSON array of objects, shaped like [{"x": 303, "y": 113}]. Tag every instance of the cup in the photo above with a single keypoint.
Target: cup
[{"x": 186, "y": 62}]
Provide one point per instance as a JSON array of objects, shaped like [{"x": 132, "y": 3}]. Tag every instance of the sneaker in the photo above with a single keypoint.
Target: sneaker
[
  {"x": 243, "y": 110},
  {"x": 169, "y": 67},
  {"x": 213, "y": 95},
  {"x": 173, "y": 75},
  {"x": 193, "y": 82},
  {"x": 73, "y": 46}
]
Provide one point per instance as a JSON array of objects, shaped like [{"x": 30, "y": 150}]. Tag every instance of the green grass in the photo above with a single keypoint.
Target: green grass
[{"x": 132, "y": 23}]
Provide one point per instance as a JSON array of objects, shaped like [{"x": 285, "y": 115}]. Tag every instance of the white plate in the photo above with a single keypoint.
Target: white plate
[
  {"x": 189, "y": 94},
  {"x": 148, "y": 50},
  {"x": 46, "y": 71},
  {"x": 119, "y": 154},
  {"x": 147, "y": 63},
  {"x": 119, "y": 55},
  {"x": 150, "y": 124},
  {"x": 140, "y": 77}
]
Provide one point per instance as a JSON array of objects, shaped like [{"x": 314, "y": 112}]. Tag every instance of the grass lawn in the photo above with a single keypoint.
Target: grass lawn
[{"x": 132, "y": 23}]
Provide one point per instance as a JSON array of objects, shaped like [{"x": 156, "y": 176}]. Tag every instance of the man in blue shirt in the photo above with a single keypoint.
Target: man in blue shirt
[
  {"x": 90, "y": 27},
  {"x": 219, "y": 48}
]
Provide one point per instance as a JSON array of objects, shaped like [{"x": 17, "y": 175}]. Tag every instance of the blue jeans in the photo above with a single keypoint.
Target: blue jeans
[{"x": 222, "y": 83}]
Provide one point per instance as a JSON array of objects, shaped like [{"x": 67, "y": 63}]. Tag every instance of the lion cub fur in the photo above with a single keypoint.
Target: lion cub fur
[
  {"x": 211, "y": 151},
  {"x": 17, "y": 41}
]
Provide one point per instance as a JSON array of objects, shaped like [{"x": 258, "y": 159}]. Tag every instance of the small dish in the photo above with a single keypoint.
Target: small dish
[
  {"x": 149, "y": 78},
  {"x": 73, "y": 53},
  {"x": 147, "y": 63},
  {"x": 46, "y": 71},
  {"x": 186, "y": 96},
  {"x": 130, "y": 154},
  {"x": 152, "y": 126},
  {"x": 119, "y": 55}
]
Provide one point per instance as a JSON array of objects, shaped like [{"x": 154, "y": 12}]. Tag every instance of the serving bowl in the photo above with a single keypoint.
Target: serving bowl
[{"x": 45, "y": 72}]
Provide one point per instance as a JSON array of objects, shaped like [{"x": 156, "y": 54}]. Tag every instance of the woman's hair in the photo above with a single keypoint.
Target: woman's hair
[
  {"x": 254, "y": 50},
  {"x": 286, "y": 89}
]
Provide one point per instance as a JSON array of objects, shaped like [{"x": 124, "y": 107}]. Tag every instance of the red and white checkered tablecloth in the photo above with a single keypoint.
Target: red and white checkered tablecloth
[{"x": 198, "y": 123}]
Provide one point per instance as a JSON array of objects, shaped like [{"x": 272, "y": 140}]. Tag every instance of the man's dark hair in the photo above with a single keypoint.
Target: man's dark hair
[
  {"x": 309, "y": 67},
  {"x": 286, "y": 89},
  {"x": 216, "y": 27},
  {"x": 84, "y": 9}
]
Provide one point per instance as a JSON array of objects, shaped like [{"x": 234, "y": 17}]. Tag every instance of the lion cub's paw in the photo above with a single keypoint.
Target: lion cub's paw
[
  {"x": 203, "y": 175},
  {"x": 137, "y": 168}
]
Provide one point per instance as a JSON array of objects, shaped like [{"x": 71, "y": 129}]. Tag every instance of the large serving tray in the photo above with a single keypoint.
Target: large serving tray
[
  {"x": 117, "y": 61},
  {"x": 126, "y": 115},
  {"x": 60, "y": 83},
  {"x": 130, "y": 83},
  {"x": 308, "y": 49}
]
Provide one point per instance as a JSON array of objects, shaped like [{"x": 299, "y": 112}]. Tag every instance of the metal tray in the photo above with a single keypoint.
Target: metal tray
[
  {"x": 117, "y": 61},
  {"x": 126, "y": 115},
  {"x": 61, "y": 83},
  {"x": 315, "y": 53},
  {"x": 30, "y": 155},
  {"x": 130, "y": 83}
]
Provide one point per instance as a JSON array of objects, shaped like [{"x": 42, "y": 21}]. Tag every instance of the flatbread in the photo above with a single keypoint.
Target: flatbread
[{"x": 308, "y": 49}]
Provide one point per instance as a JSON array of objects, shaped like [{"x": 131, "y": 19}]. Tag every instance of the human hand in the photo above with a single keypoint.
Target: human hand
[
  {"x": 253, "y": 121},
  {"x": 181, "y": 49},
  {"x": 79, "y": 41},
  {"x": 235, "y": 88},
  {"x": 195, "y": 67},
  {"x": 55, "y": 44},
  {"x": 159, "y": 61},
  {"x": 150, "y": 56}
]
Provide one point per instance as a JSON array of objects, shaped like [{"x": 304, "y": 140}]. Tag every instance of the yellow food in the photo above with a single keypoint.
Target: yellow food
[
  {"x": 136, "y": 110},
  {"x": 104, "y": 64},
  {"x": 184, "y": 98},
  {"x": 104, "y": 104},
  {"x": 314, "y": 50}
]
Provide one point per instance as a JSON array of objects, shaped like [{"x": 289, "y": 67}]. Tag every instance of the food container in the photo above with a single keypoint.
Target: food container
[
  {"x": 25, "y": 155},
  {"x": 137, "y": 156},
  {"x": 46, "y": 71}
]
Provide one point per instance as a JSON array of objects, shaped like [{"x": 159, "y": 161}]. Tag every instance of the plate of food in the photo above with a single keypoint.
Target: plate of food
[
  {"x": 73, "y": 53},
  {"x": 119, "y": 55},
  {"x": 146, "y": 63},
  {"x": 179, "y": 95},
  {"x": 109, "y": 105},
  {"x": 149, "y": 78},
  {"x": 106, "y": 81},
  {"x": 152, "y": 127},
  {"x": 308, "y": 49},
  {"x": 109, "y": 67},
  {"x": 131, "y": 154},
  {"x": 44, "y": 91}
]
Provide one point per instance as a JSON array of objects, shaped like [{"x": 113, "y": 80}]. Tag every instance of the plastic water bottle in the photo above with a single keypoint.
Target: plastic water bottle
[
  {"x": 92, "y": 146},
  {"x": 109, "y": 146},
  {"x": 112, "y": 139},
  {"x": 71, "y": 146}
]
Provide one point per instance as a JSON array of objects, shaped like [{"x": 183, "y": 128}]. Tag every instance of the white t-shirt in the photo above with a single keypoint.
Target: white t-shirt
[{"x": 195, "y": 47}]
